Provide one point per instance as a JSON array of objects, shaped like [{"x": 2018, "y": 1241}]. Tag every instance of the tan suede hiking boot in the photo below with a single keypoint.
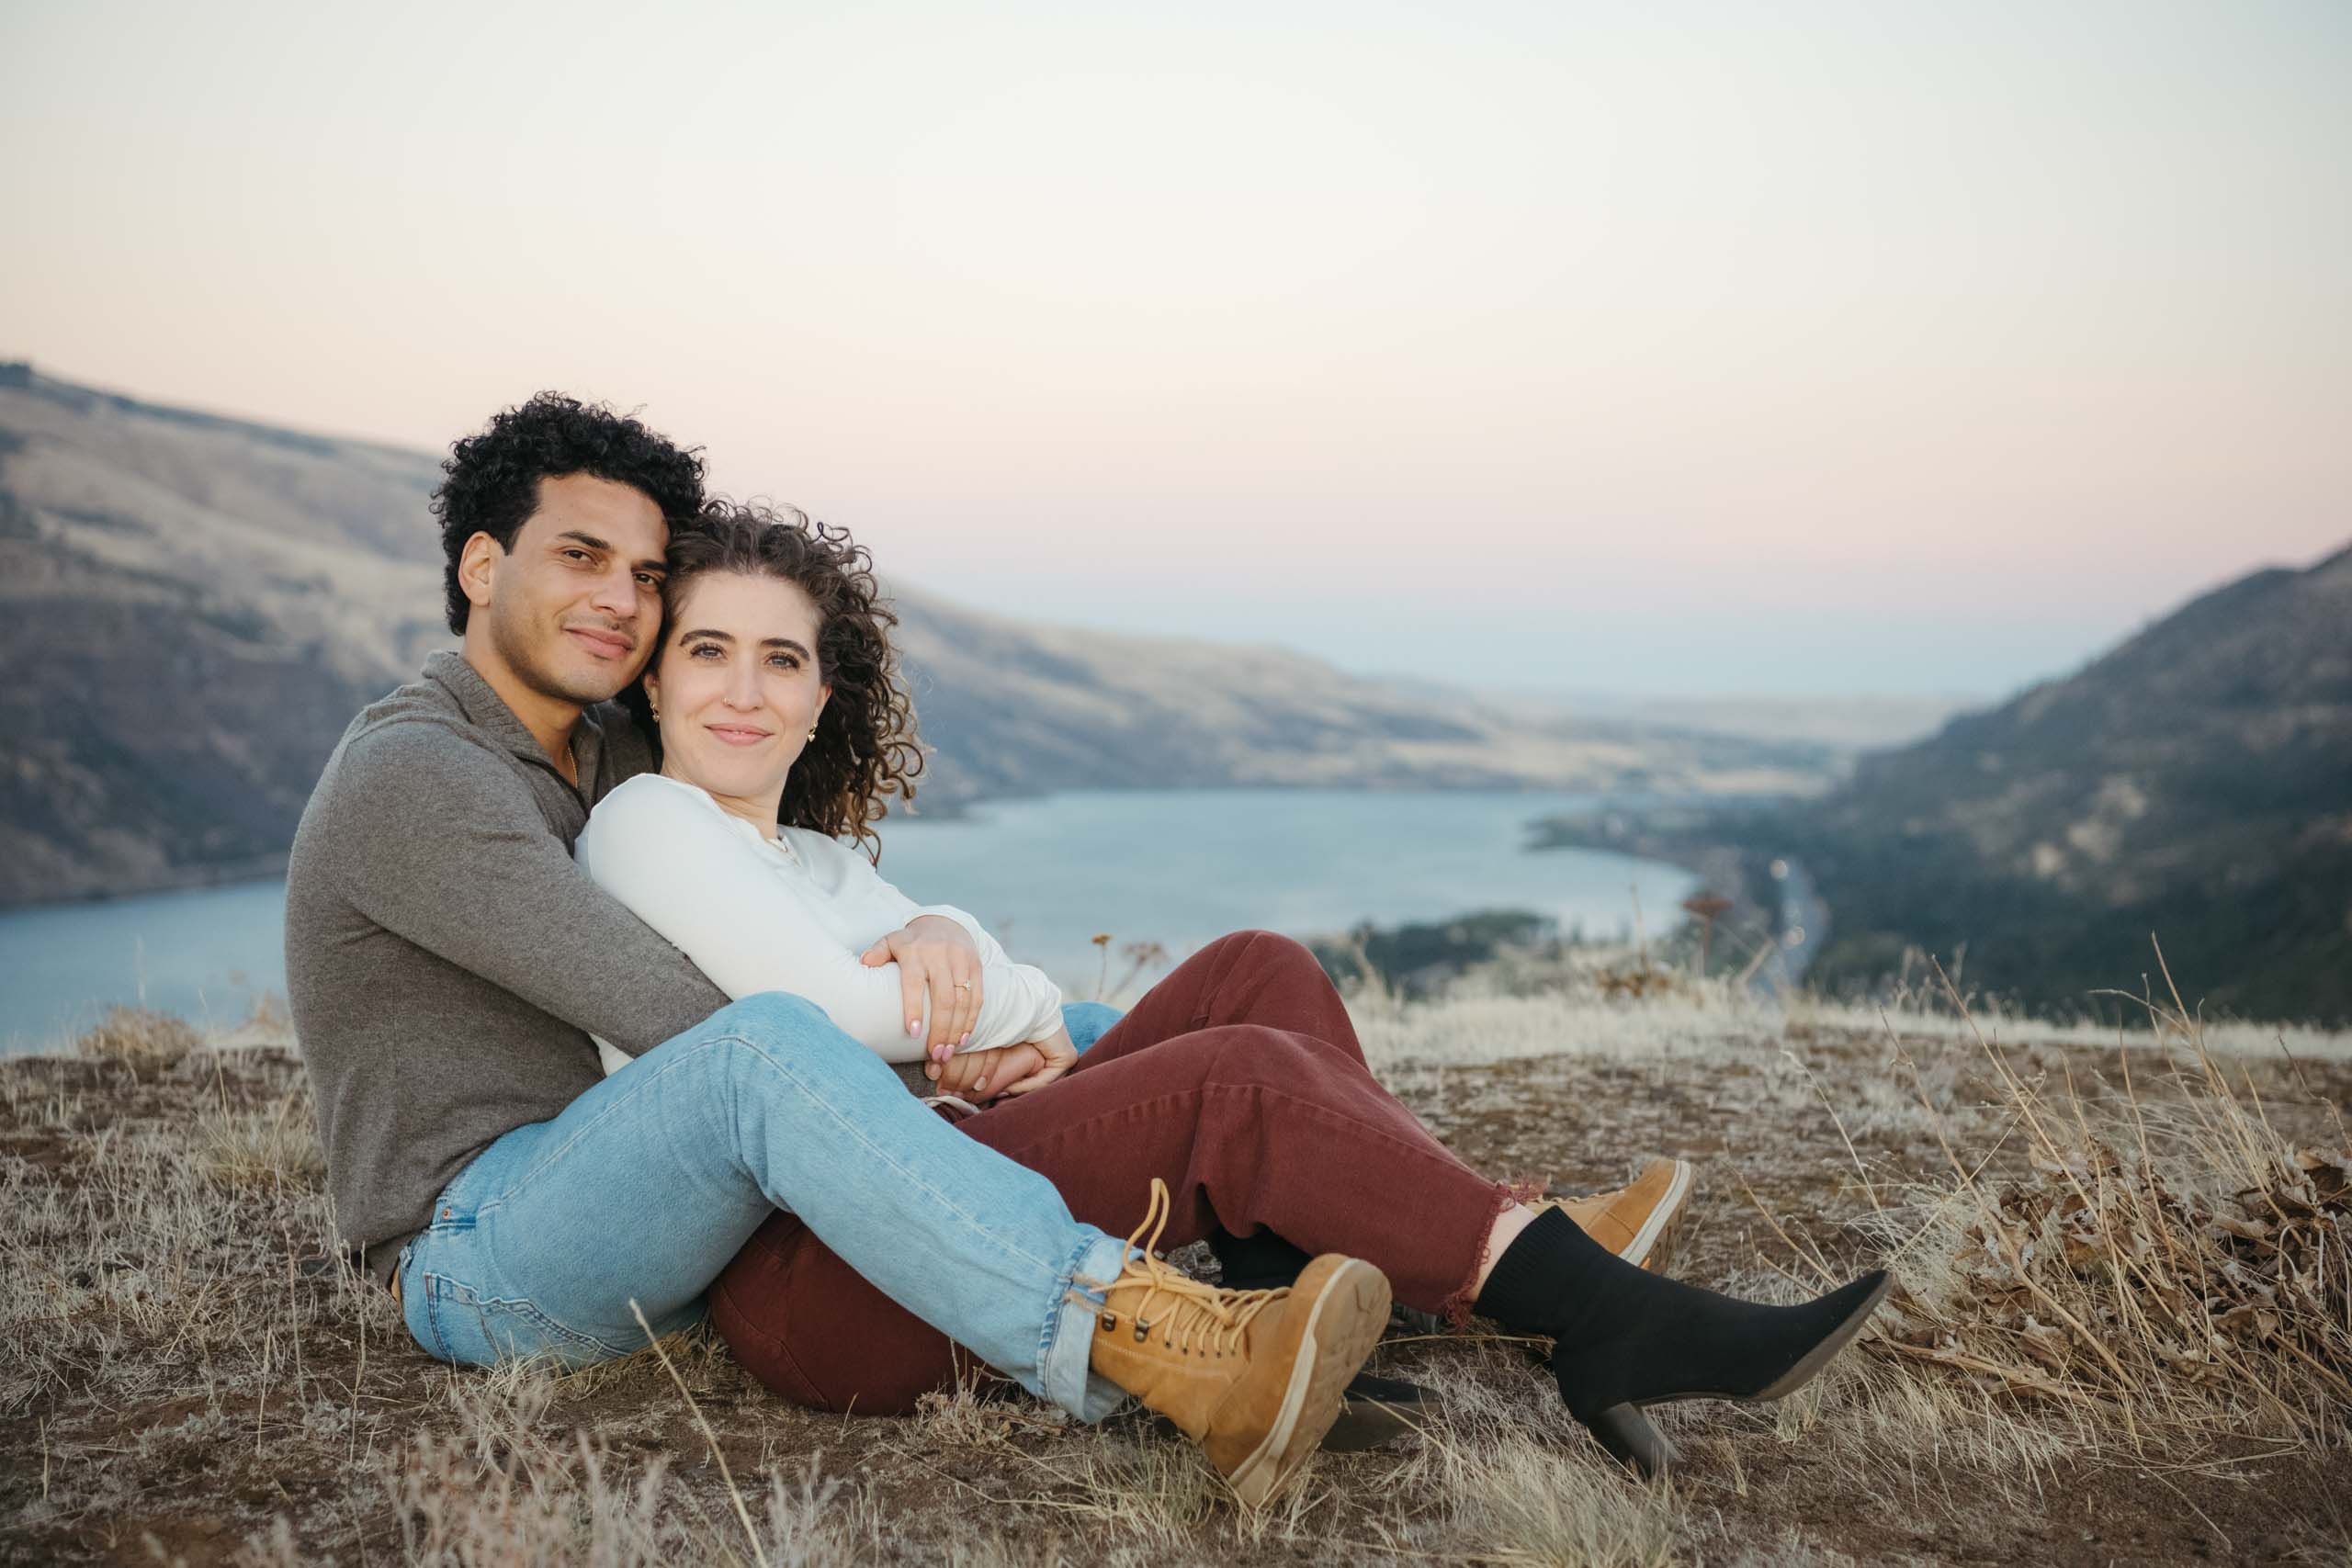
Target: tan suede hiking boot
[
  {"x": 1637, "y": 1223},
  {"x": 1252, "y": 1376}
]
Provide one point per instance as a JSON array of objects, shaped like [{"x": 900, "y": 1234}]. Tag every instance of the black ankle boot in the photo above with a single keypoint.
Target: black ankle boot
[
  {"x": 1625, "y": 1338},
  {"x": 1263, "y": 1261},
  {"x": 1377, "y": 1410}
]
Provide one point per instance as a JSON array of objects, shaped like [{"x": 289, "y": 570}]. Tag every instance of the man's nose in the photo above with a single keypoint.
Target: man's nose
[{"x": 616, "y": 593}]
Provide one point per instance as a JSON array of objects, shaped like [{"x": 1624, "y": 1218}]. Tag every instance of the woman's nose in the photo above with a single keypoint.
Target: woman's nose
[{"x": 743, "y": 687}]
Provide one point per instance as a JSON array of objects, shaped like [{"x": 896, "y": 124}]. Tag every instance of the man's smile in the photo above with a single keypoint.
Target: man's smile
[{"x": 602, "y": 641}]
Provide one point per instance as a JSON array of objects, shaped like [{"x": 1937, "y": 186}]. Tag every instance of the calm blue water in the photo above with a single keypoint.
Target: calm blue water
[{"x": 1174, "y": 867}]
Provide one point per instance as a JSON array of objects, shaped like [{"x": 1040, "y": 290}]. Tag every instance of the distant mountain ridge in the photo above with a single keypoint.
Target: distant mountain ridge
[
  {"x": 2195, "y": 782},
  {"x": 192, "y": 606}
]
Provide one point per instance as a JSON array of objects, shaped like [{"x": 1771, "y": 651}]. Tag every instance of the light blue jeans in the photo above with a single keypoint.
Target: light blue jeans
[{"x": 647, "y": 1184}]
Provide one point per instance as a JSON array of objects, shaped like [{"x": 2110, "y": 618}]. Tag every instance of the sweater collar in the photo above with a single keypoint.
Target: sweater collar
[{"x": 488, "y": 712}]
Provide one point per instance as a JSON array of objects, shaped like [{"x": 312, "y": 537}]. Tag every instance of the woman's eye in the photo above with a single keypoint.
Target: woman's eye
[
  {"x": 700, "y": 649},
  {"x": 785, "y": 662}
]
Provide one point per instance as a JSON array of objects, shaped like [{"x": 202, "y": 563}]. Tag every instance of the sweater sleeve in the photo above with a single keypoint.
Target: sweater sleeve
[
  {"x": 421, "y": 810},
  {"x": 684, "y": 868}
]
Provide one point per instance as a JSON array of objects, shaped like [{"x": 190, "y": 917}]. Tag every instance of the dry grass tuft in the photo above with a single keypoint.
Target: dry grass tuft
[
  {"x": 277, "y": 1147},
  {"x": 511, "y": 1498},
  {"x": 1538, "y": 1502},
  {"x": 2176, "y": 1270},
  {"x": 140, "y": 1039},
  {"x": 1643, "y": 981}
]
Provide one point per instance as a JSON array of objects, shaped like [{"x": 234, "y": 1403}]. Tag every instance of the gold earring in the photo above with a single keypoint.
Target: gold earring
[{"x": 812, "y": 732}]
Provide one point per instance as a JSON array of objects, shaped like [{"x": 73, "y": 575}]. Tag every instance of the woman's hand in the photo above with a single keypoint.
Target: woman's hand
[{"x": 937, "y": 960}]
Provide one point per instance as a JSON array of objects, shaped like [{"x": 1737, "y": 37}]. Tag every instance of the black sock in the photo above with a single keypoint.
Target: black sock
[
  {"x": 1263, "y": 1261},
  {"x": 1625, "y": 1335},
  {"x": 1550, "y": 1277}
]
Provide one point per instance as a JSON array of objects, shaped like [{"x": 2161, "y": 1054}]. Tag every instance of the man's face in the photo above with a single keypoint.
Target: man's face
[{"x": 574, "y": 608}]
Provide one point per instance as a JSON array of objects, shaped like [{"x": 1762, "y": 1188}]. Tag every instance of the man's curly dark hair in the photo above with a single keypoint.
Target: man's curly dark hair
[
  {"x": 866, "y": 748},
  {"x": 491, "y": 480}
]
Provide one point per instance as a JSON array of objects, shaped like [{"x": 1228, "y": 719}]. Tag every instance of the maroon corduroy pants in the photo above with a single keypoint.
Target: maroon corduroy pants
[{"x": 1238, "y": 1080}]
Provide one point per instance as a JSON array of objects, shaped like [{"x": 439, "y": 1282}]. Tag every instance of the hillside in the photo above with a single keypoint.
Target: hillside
[
  {"x": 2195, "y": 782},
  {"x": 192, "y": 606}
]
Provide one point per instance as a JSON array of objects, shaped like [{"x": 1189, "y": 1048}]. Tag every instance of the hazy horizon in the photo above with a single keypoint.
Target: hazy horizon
[{"x": 1838, "y": 350}]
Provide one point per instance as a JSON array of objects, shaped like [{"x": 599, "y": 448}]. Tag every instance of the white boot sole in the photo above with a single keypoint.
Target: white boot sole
[
  {"x": 1343, "y": 1327},
  {"x": 1662, "y": 1217}
]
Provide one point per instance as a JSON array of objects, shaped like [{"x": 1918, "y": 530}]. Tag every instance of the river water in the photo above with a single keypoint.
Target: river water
[{"x": 1172, "y": 867}]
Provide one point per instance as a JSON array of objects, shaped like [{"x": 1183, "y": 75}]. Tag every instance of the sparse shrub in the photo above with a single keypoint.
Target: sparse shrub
[
  {"x": 1141, "y": 957},
  {"x": 1415, "y": 961},
  {"x": 140, "y": 1038},
  {"x": 1639, "y": 981}
]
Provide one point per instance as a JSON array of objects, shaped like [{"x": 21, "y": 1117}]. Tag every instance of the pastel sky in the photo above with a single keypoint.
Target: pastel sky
[{"x": 1790, "y": 348}]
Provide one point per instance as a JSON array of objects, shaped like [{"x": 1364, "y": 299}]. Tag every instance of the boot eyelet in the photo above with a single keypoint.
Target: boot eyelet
[{"x": 1110, "y": 1322}]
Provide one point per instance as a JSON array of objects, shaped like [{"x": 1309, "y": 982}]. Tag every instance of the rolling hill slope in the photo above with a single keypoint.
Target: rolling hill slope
[{"x": 192, "y": 606}]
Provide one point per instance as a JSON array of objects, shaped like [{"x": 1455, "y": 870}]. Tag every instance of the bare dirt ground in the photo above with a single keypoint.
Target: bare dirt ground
[{"x": 176, "y": 1387}]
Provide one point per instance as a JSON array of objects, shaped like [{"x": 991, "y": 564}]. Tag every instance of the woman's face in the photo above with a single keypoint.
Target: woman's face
[{"x": 736, "y": 689}]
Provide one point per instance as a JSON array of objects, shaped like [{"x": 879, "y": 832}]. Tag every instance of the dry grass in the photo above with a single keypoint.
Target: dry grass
[
  {"x": 2176, "y": 1270},
  {"x": 2061, "y": 1213},
  {"x": 140, "y": 1039},
  {"x": 271, "y": 1146}
]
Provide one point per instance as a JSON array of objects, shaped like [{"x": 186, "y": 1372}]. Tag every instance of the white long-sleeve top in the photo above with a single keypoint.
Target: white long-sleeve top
[{"x": 793, "y": 913}]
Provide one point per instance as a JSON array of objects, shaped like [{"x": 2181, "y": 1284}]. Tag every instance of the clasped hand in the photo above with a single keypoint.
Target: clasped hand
[{"x": 1007, "y": 1069}]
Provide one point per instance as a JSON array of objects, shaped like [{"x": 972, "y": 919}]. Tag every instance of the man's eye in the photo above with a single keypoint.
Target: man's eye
[
  {"x": 646, "y": 580},
  {"x": 576, "y": 555}
]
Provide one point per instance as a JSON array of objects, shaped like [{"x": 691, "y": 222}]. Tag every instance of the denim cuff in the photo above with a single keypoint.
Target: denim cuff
[{"x": 1069, "y": 1332}]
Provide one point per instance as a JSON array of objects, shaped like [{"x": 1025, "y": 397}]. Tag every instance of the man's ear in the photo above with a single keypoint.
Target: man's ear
[{"x": 476, "y": 563}]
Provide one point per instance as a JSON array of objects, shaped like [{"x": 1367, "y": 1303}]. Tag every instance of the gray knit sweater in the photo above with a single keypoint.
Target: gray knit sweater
[{"x": 445, "y": 961}]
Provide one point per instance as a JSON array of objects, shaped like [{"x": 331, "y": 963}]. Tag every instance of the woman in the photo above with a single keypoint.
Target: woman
[{"x": 1238, "y": 1081}]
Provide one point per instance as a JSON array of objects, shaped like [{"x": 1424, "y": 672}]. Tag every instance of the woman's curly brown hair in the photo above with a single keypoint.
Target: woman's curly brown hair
[{"x": 865, "y": 749}]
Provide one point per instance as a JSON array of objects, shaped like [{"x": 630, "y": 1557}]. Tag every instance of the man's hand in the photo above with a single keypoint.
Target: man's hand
[
  {"x": 981, "y": 1075},
  {"x": 937, "y": 961},
  {"x": 1009, "y": 1069}
]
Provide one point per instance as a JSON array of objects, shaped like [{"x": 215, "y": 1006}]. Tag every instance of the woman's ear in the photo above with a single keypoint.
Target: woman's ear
[{"x": 653, "y": 687}]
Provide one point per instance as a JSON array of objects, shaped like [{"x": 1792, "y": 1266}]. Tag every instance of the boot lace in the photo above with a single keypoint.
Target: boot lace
[{"x": 1196, "y": 1318}]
